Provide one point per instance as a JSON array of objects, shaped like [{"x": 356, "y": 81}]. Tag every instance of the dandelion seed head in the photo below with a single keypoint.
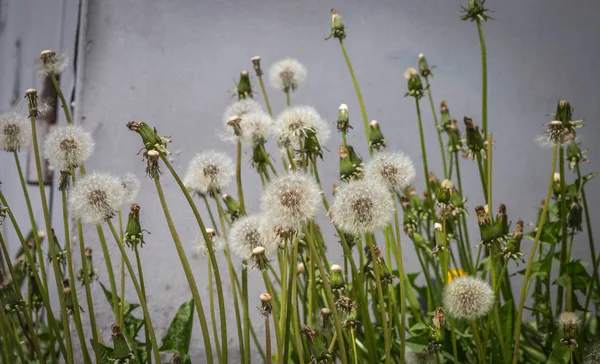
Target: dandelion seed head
[
  {"x": 52, "y": 63},
  {"x": 410, "y": 72},
  {"x": 468, "y": 298},
  {"x": 238, "y": 110},
  {"x": 256, "y": 126},
  {"x": 218, "y": 243},
  {"x": 96, "y": 197},
  {"x": 287, "y": 74},
  {"x": 68, "y": 146},
  {"x": 291, "y": 200},
  {"x": 418, "y": 357},
  {"x": 294, "y": 123},
  {"x": 362, "y": 206},
  {"x": 15, "y": 131},
  {"x": 569, "y": 320},
  {"x": 395, "y": 170},
  {"x": 248, "y": 233},
  {"x": 131, "y": 185},
  {"x": 209, "y": 171}
]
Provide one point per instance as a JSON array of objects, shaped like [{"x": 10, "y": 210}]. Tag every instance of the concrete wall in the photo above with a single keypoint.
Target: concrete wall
[{"x": 170, "y": 63}]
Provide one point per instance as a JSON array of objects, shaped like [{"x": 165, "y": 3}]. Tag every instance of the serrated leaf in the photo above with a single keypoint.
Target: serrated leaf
[
  {"x": 550, "y": 233},
  {"x": 507, "y": 312},
  {"x": 104, "y": 352},
  {"x": 179, "y": 334}
]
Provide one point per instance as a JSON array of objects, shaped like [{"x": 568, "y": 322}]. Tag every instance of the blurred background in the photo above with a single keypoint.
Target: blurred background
[{"x": 172, "y": 63}]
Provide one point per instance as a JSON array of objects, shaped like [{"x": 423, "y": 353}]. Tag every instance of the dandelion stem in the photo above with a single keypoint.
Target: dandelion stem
[
  {"x": 588, "y": 226},
  {"x": 76, "y": 312},
  {"x": 190, "y": 276},
  {"x": 363, "y": 110},
  {"x": 264, "y": 92},
  {"x": 401, "y": 274},
  {"x": 483, "y": 77},
  {"x": 62, "y": 98},
  {"x": 109, "y": 269},
  {"x": 271, "y": 291},
  {"x": 423, "y": 151},
  {"x": 354, "y": 346},
  {"x": 238, "y": 179},
  {"x": 525, "y": 287},
  {"x": 563, "y": 223},
  {"x": 209, "y": 248},
  {"x": 50, "y": 235},
  {"x": 463, "y": 218},
  {"x": 143, "y": 288},
  {"x": 147, "y": 318},
  {"x": 437, "y": 129},
  {"x": 480, "y": 165},
  {"x": 288, "y": 101},
  {"x": 384, "y": 321},
  {"x": 244, "y": 293},
  {"x": 296, "y": 318},
  {"x": 477, "y": 339},
  {"x": 211, "y": 303},
  {"x": 291, "y": 297},
  {"x": 122, "y": 305},
  {"x": 267, "y": 327}
]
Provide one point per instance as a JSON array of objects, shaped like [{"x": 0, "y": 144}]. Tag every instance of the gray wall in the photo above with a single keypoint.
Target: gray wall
[{"x": 170, "y": 63}]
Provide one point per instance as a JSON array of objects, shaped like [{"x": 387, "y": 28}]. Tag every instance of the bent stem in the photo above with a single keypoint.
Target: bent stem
[
  {"x": 525, "y": 287},
  {"x": 423, "y": 150},
  {"x": 238, "y": 179},
  {"x": 65, "y": 107},
  {"x": 143, "y": 288},
  {"x": 138, "y": 290},
  {"x": 437, "y": 127},
  {"x": 211, "y": 303},
  {"x": 188, "y": 274}
]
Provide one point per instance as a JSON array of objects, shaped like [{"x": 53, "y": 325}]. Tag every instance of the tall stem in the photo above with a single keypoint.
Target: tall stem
[
  {"x": 401, "y": 273},
  {"x": 109, "y": 270},
  {"x": 50, "y": 235},
  {"x": 189, "y": 275},
  {"x": 525, "y": 287},
  {"x": 267, "y": 335},
  {"x": 437, "y": 127},
  {"x": 143, "y": 288},
  {"x": 288, "y": 100},
  {"x": 463, "y": 218},
  {"x": 483, "y": 78},
  {"x": 238, "y": 179},
  {"x": 62, "y": 98},
  {"x": 384, "y": 321},
  {"x": 147, "y": 318},
  {"x": 264, "y": 92},
  {"x": 588, "y": 226},
  {"x": 122, "y": 295},
  {"x": 211, "y": 303},
  {"x": 363, "y": 110},
  {"x": 423, "y": 150},
  {"x": 563, "y": 223}
]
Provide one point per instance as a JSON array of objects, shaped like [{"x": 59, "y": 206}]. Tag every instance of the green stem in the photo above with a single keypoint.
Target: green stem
[
  {"x": 296, "y": 318},
  {"x": 477, "y": 339},
  {"x": 76, "y": 312},
  {"x": 50, "y": 235},
  {"x": 354, "y": 346},
  {"x": 238, "y": 179},
  {"x": 122, "y": 305},
  {"x": 363, "y": 110},
  {"x": 138, "y": 289},
  {"x": 267, "y": 335},
  {"x": 437, "y": 127},
  {"x": 246, "y": 313},
  {"x": 189, "y": 276},
  {"x": 271, "y": 291},
  {"x": 525, "y": 286},
  {"x": 109, "y": 269},
  {"x": 211, "y": 302},
  {"x": 483, "y": 78},
  {"x": 423, "y": 151},
  {"x": 563, "y": 223},
  {"x": 210, "y": 213},
  {"x": 482, "y": 178},
  {"x": 62, "y": 98},
  {"x": 400, "y": 264},
  {"x": 288, "y": 101},
  {"x": 143, "y": 288},
  {"x": 588, "y": 226},
  {"x": 264, "y": 92},
  {"x": 384, "y": 321}
]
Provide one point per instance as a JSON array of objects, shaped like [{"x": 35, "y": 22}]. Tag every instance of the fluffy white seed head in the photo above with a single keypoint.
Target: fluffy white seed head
[
  {"x": 569, "y": 320},
  {"x": 293, "y": 124},
  {"x": 15, "y": 131},
  {"x": 52, "y": 63},
  {"x": 239, "y": 110},
  {"x": 218, "y": 243},
  {"x": 362, "y": 206},
  {"x": 418, "y": 357},
  {"x": 97, "y": 197},
  {"x": 248, "y": 233},
  {"x": 468, "y": 298},
  {"x": 256, "y": 127},
  {"x": 209, "y": 171},
  {"x": 131, "y": 185},
  {"x": 287, "y": 74},
  {"x": 395, "y": 170},
  {"x": 291, "y": 200},
  {"x": 68, "y": 146}
]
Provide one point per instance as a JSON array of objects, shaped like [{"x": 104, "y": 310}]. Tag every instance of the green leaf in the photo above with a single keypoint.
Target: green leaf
[
  {"x": 540, "y": 268},
  {"x": 550, "y": 233},
  {"x": 507, "y": 312},
  {"x": 104, "y": 352},
  {"x": 128, "y": 306},
  {"x": 179, "y": 334}
]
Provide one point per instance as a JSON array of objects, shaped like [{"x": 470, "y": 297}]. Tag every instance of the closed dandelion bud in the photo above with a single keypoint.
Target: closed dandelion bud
[
  {"x": 575, "y": 155},
  {"x": 15, "y": 131},
  {"x": 51, "y": 63},
  {"x": 121, "y": 353},
  {"x": 315, "y": 343},
  {"x": 445, "y": 112},
  {"x": 456, "y": 200},
  {"x": 564, "y": 111},
  {"x": 343, "y": 119},
  {"x": 3, "y": 213},
  {"x": 439, "y": 318},
  {"x": 336, "y": 278},
  {"x": 326, "y": 318},
  {"x": 337, "y": 26},
  {"x": 150, "y": 137},
  {"x": 287, "y": 74},
  {"x": 256, "y": 66},
  {"x": 486, "y": 229},
  {"x": 68, "y": 297},
  {"x": 68, "y": 146},
  {"x": 424, "y": 68},
  {"x": 468, "y": 298},
  {"x": 176, "y": 359},
  {"x": 233, "y": 206},
  {"x": 501, "y": 220},
  {"x": 244, "y": 88},
  {"x": 415, "y": 86},
  {"x": 311, "y": 146},
  {"x": 570, "y": 323},
  {"x": 265, "y": 304},
  {"x": 260, "y": 260},
  {"x": 63, "y": 182},
  {"x": 454, "y": 140},
  {"x": 8, "y": 295},
  {"x": 376, "y": 139},
  {"x": 351, "y": 165},
  {"x": 574, "y": 218},
  {"x": 88, "y": 268},
  {"x": 556, "y": 184},
  {"x": 475, "y": 141},
  {"x": 512, "y": 249},
  {"x": 445, "y": 191},
  {"x": 134, "y": 234},
  {"x": 35, "y": 109},
  {"x": 345, "y": 304}
]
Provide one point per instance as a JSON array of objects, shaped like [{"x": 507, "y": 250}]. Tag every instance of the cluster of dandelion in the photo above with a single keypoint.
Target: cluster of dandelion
[{"x": 363, "y": 307}]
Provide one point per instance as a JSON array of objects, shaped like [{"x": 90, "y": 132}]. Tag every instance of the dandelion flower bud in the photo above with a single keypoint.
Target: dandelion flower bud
[
  {"x": 256, "y": 65},
  {"x": 336, "y": 278},
  {"x": 287, "y": 74},
  {"x": 415, "y": 86},
  {"x": 291, "y": 200},
  {"x": 248, "y": 233},
  {"x": 121, "y": 353},
  {"x": 424, "y": 68},
  {"x": 209, "y": 172},
  {"x": 68, "y": 146},
  {"x": 395, "y": 170},
  {"x": 326, "y": 318},
  {"x": 244, "y": 87},
  {"x": 15, "y": 131},
  {"x": 468, "y": 298},
  {"x": 362, "y": 206},
  {"x": 376, "y": 139},
  {"x": 570, "y": 323},
  {"x": 96, "y": 197},
  {"x": 337, "y": 26},
  {"x": 343, "y": 120},
  {"x": 134, "y": 234},
  {"x": 52, "y": 63},
  {"x": 216, "y": 241},
  {"x": 295, "y": 123},
  {"x": 131, "y": 185}
]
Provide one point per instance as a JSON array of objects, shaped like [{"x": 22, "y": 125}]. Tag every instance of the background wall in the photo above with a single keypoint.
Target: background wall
[{"x": 171, "y": 64}]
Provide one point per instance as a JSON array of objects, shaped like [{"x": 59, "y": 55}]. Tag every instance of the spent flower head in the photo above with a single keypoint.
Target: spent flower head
[
  {"x": 217, "y": 242},
  {"x": 68, "y": 146},
  {"x": 296, "y": 123},
  {"x": 287, "y": 74},
  {"x": 96, "y": 197},
  {"x": 248, "y": 233},
  {"x": 15, "y": 131},
  {"x": 395, "y": 170},
  {"x": 131, "y": 185},
  {"x": 52, "y": 63},
  {"x": 570, "y": 323},
  {"x": 337, "y": 26},
  {"x": 234, "y": 118},
  {"x": 362, "y": 206},
  {"x": 468, "y": 298},
  {"x": 210, "y": 171},
  {"x": 291, "y": 200}
]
